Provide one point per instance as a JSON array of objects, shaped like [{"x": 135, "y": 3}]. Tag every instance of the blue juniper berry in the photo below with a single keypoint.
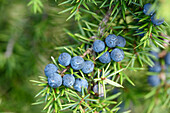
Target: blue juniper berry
[
  {"x": 79, "y": 83},
  {"x": 111, "y": 40},
  {"x": 167, "y": 58},
  {"x": 64, "y": 59},
  {"x": 88, "y": 67},
  {"x": 147, "y": 10},
  {"x": 77, "y": 63},
  {"x": 157, "y": 21},
  {"x": 68, "y": 80},
  {"x": 155, "y": 68},
  {"x": 98, "y": 46},
  {"x": 117, "y": 55},
  {"x": 49, "y": 69},
  {"x": 54, "y": 80},
  {"x": 153, "y": 80},
  {"x": 105, "y": 58},
  {"x": 96, "y": 90},
  {"x": 121, "y": 41}
]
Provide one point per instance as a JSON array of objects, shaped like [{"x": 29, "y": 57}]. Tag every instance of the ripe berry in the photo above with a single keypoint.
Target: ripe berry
[
  {"x": 111, "y": 40},
  {"x": 121, "y": 41},
  {"x": 155, "y": 54},
  {"x": 122, "y": 108},
  {"x": 167, "y": 69},
  {"x": 98, "y": 46},
  {"x": 116, "y": 90},
  {"x": 155, "y": 68},
  {"x": 105, "y": 58},
  {"x": 79, "y": 83},
  {"x": 96, "y": 90},
  {"x": 50, "y": 69},
  {"x": 117, "y": 55},
  {"x": 167, "y": 58},
  {"x": 157, "y": 21},
  {"x": 153, "y": 80},
  {"x": 64, "y": 59},
  {"x": 54, "y": 80},
  {"x": 88, "y": 67},
  {"x": 68, "y": 80},
  {"x": 77, "y": 63},
  {"x": 147, "y": 9}
]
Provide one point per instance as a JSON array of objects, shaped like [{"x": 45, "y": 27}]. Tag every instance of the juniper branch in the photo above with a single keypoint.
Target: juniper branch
[{"x": 103, "y": 23}]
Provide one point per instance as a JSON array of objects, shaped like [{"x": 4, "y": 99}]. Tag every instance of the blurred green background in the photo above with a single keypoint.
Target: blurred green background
[{"x": 27, "y": 41}]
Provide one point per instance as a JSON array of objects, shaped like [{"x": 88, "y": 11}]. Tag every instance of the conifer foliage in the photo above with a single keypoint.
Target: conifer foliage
[{"x": 115, "y": 37}]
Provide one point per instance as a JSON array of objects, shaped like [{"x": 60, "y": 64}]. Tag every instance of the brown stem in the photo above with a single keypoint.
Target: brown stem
[
  {"x": 103, "y": 23},
  {"x": 162, "y": 53},
  {"x": 135, "y": 52},
  {"x": 63, "y": 71},
  {"x": 86, "y": 52},
  {"x": 81, "y": 101},
  {"x": 82, "y": 109}
]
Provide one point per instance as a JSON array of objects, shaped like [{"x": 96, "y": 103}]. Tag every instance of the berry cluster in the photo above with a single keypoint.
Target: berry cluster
[
  {"x": 111, "y": 41},
  {"x": 154, "y": 80},
  {"x": 148, "y": 10},
  {"x": 68, "y": 80}
]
